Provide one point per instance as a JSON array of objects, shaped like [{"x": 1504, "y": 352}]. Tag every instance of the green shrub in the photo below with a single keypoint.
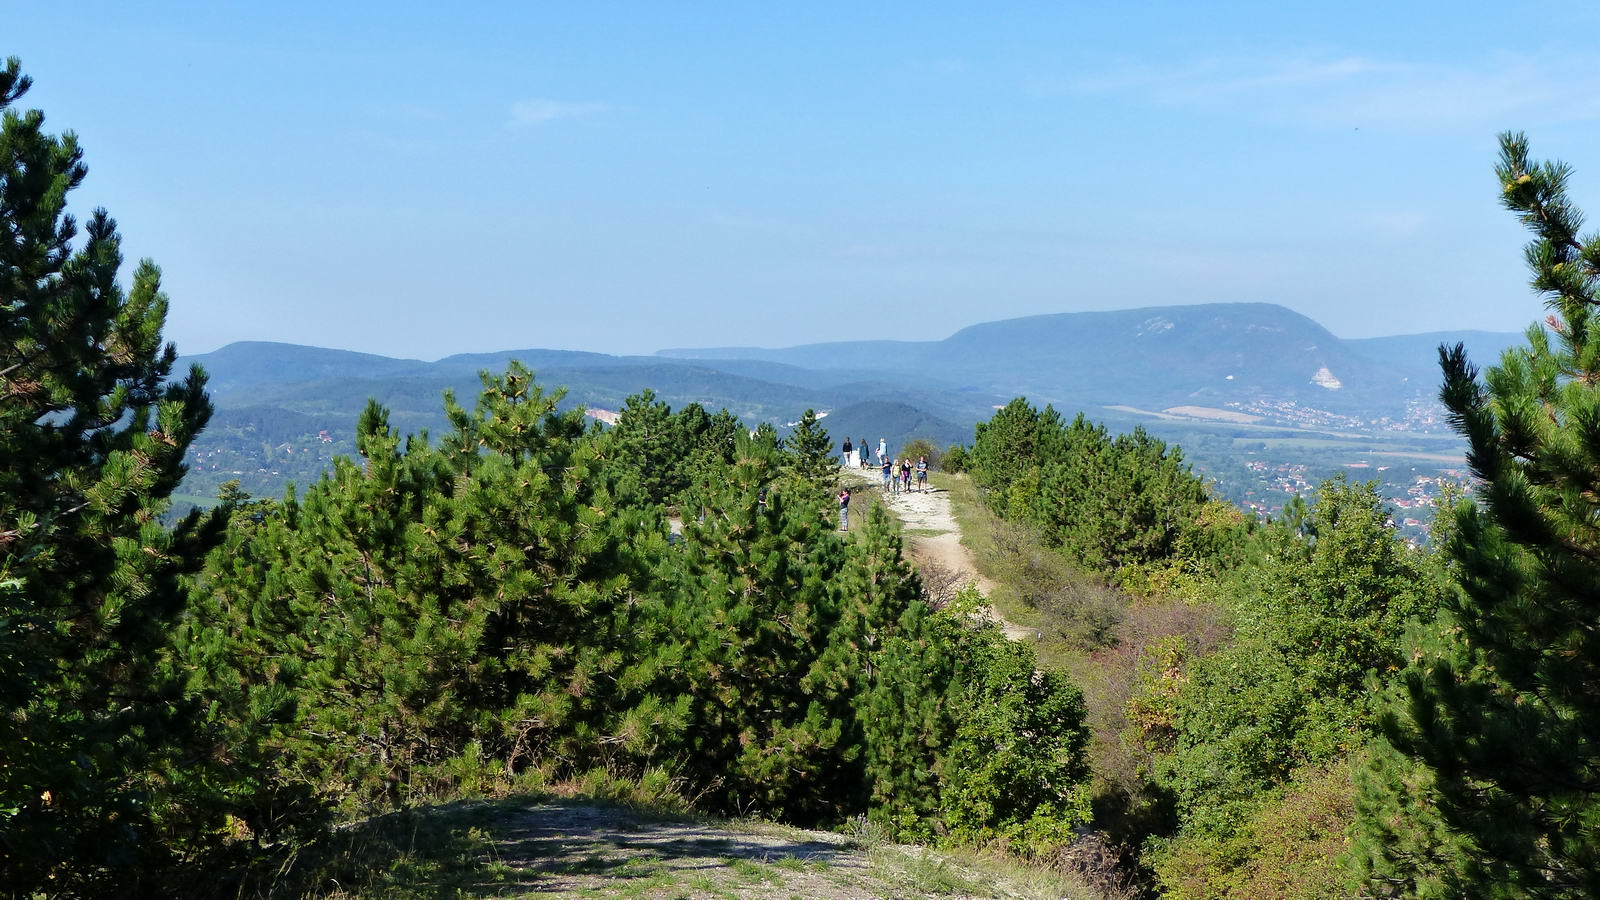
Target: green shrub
[
  {"x": 954, "y": 459},
  {"x": 1017, "y": 768},
  {"x": 1291, "y": 847},
  {"x": 922, "y": 447},
  {"x": 1292, "y": 691}
]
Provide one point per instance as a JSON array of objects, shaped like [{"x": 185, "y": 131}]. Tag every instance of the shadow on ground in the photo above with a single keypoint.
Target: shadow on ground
[{"x": 556, "y": 849}]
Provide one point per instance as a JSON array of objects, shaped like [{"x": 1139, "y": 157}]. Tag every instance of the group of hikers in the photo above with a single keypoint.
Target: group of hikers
[{"x": 896, "y": 472}]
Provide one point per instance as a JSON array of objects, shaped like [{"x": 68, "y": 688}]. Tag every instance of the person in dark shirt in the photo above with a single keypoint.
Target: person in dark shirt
[{"x": 844, "y": 509}]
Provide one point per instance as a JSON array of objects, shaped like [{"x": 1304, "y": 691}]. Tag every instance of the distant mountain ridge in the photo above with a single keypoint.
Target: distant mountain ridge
[
  {"x": 1124, "y": 367},
  {"x": 1206, "y": 354},
  {"x": 246, "y": 363},
  {"x": 1417, "y": 355},
  {"x": 1152, "y": 357}
]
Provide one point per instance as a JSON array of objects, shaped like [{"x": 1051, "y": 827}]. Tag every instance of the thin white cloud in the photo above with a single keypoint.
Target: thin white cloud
[
  {"x": 539, "y": 110},
  {"x": 1356, "y": 91}
]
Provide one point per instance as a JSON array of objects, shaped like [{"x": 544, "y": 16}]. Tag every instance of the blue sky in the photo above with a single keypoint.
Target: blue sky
[{"x": 418, "y": 181}]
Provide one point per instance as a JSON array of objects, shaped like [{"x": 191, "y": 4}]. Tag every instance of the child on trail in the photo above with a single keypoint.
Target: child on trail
[
  {"x": 844, "y": 509},
  {"x": 894, "y": 476},
  {"x": 886, "y": 465},
  {"x": 849, "y": 453},
  {"x": 922, "y": 474}
]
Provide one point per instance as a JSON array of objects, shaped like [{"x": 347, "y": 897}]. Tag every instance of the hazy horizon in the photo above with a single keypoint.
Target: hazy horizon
[{"x": 418, "y": 184}]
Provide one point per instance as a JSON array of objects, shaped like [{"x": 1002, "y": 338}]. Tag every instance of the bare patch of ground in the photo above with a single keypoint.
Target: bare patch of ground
[
  {"x": 572, "y": 849},
  {"x": 581, "y": 851},
  {"x": 1211, "y": 412},
  {"x": 1457, "y": 458}
]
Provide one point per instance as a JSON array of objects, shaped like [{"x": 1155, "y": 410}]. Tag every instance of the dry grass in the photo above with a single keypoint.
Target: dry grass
[{"x": 1018, "y": 565}]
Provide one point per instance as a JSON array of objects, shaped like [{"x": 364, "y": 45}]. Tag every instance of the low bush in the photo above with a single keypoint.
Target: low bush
[
  {"x": 1290, "y": 848},
  {"x": 920, "y": 448},
  {"x": 954, "y": 459},
  {"x": 1084, "y": 613}
]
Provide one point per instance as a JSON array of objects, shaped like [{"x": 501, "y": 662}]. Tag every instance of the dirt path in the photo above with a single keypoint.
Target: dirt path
[
  {"x": 933, "y": 536},
  {"x": 572, "y": 849}
]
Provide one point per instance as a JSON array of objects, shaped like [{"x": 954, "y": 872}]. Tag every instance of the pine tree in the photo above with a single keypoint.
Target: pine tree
[
  {"x": 444, "y": 605},
  {"x": 1073, "y": 488},
  {"x": 1005, "y": 448},
  {"x": 758, "y": 606},
  {"x": 907, "y": 665},
  {"x": 1150, "y": 498},
  {"x": 92, "y": 439},
  {"x": 245, "y": 647},
  {"x": 649, "y": 448},
  {"x": 1107, "y": 503},
  {"x": 1488, "y": 781},
  {"x": 711, "y": 443},
  {"x": 714, "y": 437},
  {"x": 811, "y": 453}
]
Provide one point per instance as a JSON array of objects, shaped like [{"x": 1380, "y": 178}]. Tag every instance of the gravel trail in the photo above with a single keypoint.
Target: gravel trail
[{"x": 933, "y": 536}]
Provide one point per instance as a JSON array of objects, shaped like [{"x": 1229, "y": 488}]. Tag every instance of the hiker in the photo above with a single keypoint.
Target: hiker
[
  {"x": 883, "y": 449},
  {"x": 883, "y": 462},
  {"x": 849, "y": 453},
  {"x": 866, "y": 454},
  {"x": 922, "y": 474},
  {"x": 844, "y": 509},
  {"x": 905, "y": 473}
]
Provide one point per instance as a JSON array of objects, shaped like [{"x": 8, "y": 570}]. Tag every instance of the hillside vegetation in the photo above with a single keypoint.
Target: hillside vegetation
[{"x": 1225, "y": 662}]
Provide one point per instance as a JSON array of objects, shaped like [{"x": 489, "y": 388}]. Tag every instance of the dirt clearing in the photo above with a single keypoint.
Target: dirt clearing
[{"x": 573, "y": 849}]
